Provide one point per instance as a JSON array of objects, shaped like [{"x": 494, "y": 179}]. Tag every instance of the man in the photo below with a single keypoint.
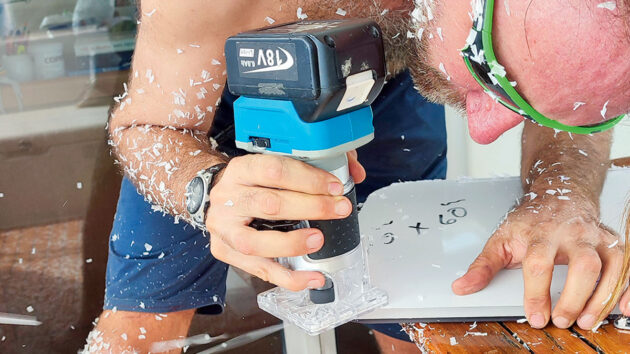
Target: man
[{"x": 159, "y": 129}]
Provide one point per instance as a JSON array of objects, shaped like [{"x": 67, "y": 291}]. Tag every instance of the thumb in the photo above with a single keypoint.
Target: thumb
[{"x": 491, "y": 260}]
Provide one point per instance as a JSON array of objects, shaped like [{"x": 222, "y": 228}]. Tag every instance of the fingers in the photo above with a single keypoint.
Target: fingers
[
  {"x": 584, "y": 268},
  {"x": 612, "y": 260},
  {"x": 537, "y": 272},
  {"x": 356, "y": 169},
  {"x": 266, "y": 269},
  {"x": 283, "y": 173},
  {"x": 248, "y": 241},
  {"x": 275, "y": 204},
  {"x": 492, "y": 259}
]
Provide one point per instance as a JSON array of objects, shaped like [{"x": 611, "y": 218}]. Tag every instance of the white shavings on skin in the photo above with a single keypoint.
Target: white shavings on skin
[
  {"x": 142, "y": 336},
  {"x": 532, "y": 196},
  {"x": 1, "y": 195},
  {"x": 384, "y": 12},
  {"x": 149, "y": 14},
  {"x": 195, "y": 153},
  {"x": 420, "y": 32},
  {"x": 563, "y": 197},
  {"x": 613, "y": 244},
  {"x": 443, "y": 69},
  {"x": 30, "y": 309},
  {"x": 158, "y": 318},
  {"x": 577, "y": 105},
  {"x": 522, "y": 320},
  {"x": 143, "y": 331},
  {"x": 396, "y": 35},
  {"x": 33, "y": 250},
  {"x": 551, "y": 191},
  {"x": 453, "y": 341},
  {"x": 607, "y": 299},
  {"x": 229, "y": 203},
  {"x": 194, "y": 45},
  {"x": 341, "y": 12},
  {"x": 79, "y": 185},
  {"x": 216, "y": 86},
  {"x": 180, "y": 51},
  {"x": 124, "y": 336},
  {"x": 410, "y": 34},
  {"x": 300, "y": 14},
  {"x": 609, "y": 5},
  {"x": 582, "y": 152},
  {"x": 270, "y": 20},
  {"x": 89, "y": 260},
  {"x": 507, "y": 7},
  {"x": 604, "y": 109},
  {"x": 439, "y": 32},
  {"x": 215, "y": 62},
  {"x": 149, "y": 75},
  {"x": 513, "y": 83}
]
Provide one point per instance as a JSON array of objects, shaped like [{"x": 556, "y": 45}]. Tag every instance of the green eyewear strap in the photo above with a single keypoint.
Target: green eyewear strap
[{"x": 524, "y": 108}]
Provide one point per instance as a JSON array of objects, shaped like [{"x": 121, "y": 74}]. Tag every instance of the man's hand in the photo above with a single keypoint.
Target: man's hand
[
  {"x": 535, "y": 236},
  {"x": 274, "y": 188}
]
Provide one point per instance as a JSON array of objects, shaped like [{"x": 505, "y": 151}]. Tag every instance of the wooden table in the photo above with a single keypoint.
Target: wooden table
[{"x": 512, "y": 337}]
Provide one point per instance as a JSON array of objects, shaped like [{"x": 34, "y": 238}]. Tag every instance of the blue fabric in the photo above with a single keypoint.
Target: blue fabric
[{"x": 158, "y": 266}]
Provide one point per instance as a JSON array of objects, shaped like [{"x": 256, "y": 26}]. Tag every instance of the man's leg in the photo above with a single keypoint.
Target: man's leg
[{"x": 125, "y": 331}]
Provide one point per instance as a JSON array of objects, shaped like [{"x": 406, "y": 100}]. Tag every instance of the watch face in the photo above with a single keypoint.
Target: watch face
[{"x": 195, "y": 195}]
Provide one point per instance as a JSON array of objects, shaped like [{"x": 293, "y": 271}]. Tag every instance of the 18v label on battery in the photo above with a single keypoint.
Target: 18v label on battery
[{"x": 267, "y": 61}]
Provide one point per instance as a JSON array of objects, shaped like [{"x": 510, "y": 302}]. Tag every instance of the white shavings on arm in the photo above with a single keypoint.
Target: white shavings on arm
[
  {"x": 301, "y": 15},
  {"x": 583, "y": 152},
  {"x": 229, "y": 203},
  {"x": 79, "y": 185},
  {"x": 563, "y": 197},
  {"x": 194, "y": 45},
  {"x": 215, "y": 62},
  {"x": 532, "y": 196},
  {"x": 1, "y": 195},
  {"x": 410, "y": 34},
  {"x": 124, "y": 336},
  {"x": 453, "y": 341},
  {"x": 604, "y": 109},
  {"x": 270, "y": 20},
  {"x": 341, "y": 12},
  {"x": 149, "y": 14},
  {"x": 551, "y": 191},
  {"x": 613, "y": 244},
  {"x": 195, "y": 153},
  {"x": 439, "y": 32},
  {"x": 607, "y": 299},
  {"x": 609, "y": 5}
]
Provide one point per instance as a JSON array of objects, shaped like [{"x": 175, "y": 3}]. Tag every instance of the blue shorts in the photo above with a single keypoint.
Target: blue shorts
[{"x": 156, "y": 266}]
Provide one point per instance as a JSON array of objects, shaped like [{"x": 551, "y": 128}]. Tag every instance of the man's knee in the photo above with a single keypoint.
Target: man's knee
[{"x": 121, "y": 331}]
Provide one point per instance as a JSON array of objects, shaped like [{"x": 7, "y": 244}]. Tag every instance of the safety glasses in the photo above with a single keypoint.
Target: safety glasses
[{"x": 483, "y": 65}]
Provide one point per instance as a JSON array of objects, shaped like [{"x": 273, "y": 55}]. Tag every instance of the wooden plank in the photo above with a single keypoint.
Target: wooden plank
[
  {"x": 549, "y": 339},
  {"x": 608, "y": 338},
  {"x": 489, "y": 337}
]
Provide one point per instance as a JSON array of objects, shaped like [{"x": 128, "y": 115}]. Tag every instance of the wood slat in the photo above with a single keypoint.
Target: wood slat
[
  {"x": 436, "y": 338},
  {"x": 549, "y": 340},
  {"x": 608, "y": 338}
]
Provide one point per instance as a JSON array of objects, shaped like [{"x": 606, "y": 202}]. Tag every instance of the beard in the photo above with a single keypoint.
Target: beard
[{"x": 401, "y": 53}]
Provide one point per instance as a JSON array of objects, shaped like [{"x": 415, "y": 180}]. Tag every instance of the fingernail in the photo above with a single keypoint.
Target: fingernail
[
  {"x": 335, "y": 188},
  {"x": 314, "y": 241},
  {"x": 314, "y": 284},
  {"x": 342, "y": 207},
  {"x": 586, "y": 321},
  {"x": 561, "y": 322},
  {"x": 537, "y": 320}
]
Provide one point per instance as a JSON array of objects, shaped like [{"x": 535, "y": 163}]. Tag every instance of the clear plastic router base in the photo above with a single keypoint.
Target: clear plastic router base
[{"x": 354, "y": 296}]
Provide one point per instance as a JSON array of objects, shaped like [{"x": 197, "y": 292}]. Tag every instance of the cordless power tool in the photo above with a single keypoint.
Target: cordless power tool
[{"x": 306, "y": 90}]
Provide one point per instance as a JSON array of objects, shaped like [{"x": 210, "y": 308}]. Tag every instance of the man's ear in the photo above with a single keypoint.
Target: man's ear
[{"x": 488, "y": 119}]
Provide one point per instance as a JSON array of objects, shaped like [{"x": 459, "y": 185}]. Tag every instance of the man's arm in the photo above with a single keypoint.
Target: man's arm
[{"x": 556, "y": 222}]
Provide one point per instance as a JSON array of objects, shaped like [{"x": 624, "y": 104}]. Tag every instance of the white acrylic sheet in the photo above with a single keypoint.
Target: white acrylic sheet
[{"x": 424, "y": 235}]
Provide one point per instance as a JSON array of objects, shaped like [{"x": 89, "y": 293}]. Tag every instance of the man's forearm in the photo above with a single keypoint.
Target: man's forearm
[
  {"x": 568, "y": 168},
  {"x": 161, "y": 161}
]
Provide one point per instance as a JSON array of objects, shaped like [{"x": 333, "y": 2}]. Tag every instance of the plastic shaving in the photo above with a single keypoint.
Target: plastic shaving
[
  {"x": 604, "y": 109},
  {"x": 613, "y": 244},
  {"x": 89, "y": 260},
  {"x": 521, "y": 320},
  {"x": 30, "y": 309},
  {"x": 577, "y": 105},
  {"x": 453, "y": 341},
  {"x": 341, "y": 12},
  {"x": 301, "y": 15},
  {"x": 270, "y": 20},
  {"x": 609, "y": 5}
]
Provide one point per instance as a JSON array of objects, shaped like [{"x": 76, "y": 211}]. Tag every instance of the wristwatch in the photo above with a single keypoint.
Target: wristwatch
[{"x": 198, "y": 195}]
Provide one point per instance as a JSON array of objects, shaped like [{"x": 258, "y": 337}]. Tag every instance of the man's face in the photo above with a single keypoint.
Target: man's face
[{"x": 571, "y": 62}]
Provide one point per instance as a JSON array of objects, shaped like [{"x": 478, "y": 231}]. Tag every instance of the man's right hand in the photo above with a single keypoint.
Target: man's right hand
[{"x": 274, "y": 188}]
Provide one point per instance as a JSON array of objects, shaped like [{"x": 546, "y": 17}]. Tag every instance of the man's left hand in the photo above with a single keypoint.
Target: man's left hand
[{"x": 540, "y": 233}]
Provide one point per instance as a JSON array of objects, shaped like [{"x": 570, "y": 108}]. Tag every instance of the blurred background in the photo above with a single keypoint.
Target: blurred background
[{"x": 62, "y": 61}]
